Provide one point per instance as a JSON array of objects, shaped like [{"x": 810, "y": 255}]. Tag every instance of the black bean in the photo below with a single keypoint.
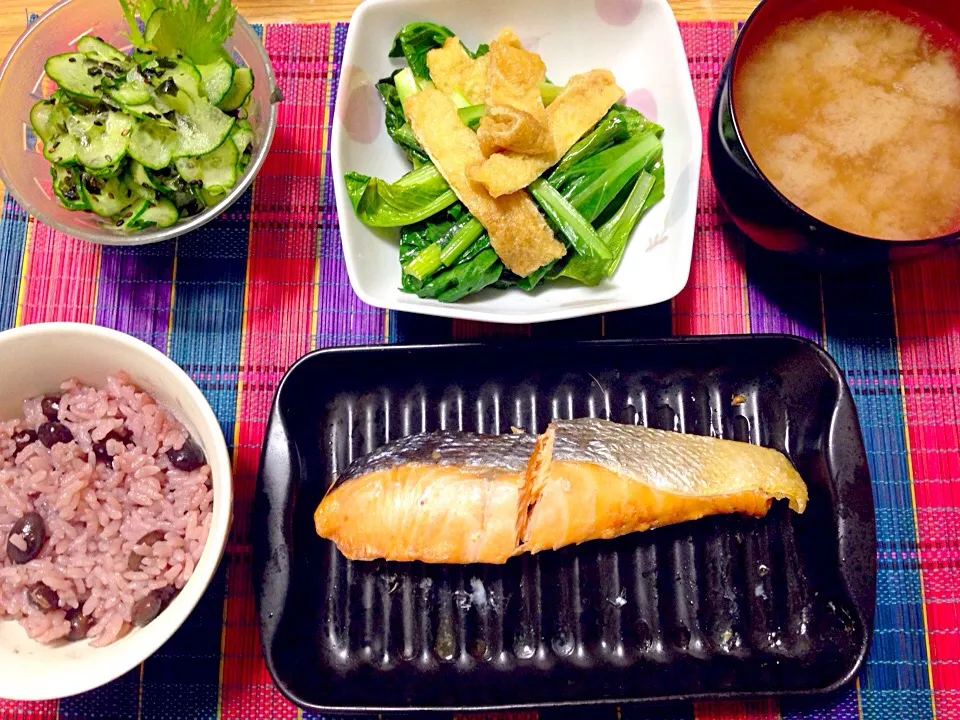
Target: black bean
[
  {"x": 23, "y": 438},
  {"x": 98, "y": 123},
  {"x": 146, "y": 609},
  {"x": 167, "y": 594},
  {"x": 33, "y": 531},
  {"x": 50, "y": 406},
  {"x": 121, "y": 434},
  {"x": 152, "y": 538},
  {"x": 135, "y": 561},
  {"x": 43, "y": 597},
  {"x": 119, "y": 223},
  {"x": 73, "y": 59},
  {"x": 188, "y": 458},
  {"x": 51, "y": 433},
  {"x": 79, "y": 624}
]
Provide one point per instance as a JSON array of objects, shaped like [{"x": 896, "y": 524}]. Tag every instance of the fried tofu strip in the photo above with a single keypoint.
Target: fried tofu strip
[
  {"x": 581, "y": 105},
  {"x": 516, "y": 119},
  {"x": 518, "y": 233},
  {"x": 452, "y": 70},
  {"x": 506, "y": 128}
]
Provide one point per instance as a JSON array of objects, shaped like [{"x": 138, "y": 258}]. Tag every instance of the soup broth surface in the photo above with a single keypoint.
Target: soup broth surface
[{"x": 855, "y": 117}]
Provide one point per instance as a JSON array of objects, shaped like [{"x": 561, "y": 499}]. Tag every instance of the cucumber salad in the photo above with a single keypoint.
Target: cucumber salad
[{"x": 154, "y": 136}]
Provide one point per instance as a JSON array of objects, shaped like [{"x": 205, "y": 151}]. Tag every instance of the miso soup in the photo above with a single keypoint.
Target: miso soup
[{"x": 854, "y": 116}]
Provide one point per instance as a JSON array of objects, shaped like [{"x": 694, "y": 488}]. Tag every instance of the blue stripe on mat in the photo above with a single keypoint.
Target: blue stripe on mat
[
  {"x": 410, "y": 328},
  {"x": 13, "y": 234},
  {"x": 119, "y": 699},
  {"x": 861, "y": 335},
  {"x": 182, "y": 679}
]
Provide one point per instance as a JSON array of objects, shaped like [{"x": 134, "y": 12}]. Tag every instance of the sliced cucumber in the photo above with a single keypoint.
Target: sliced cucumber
[
  {"x": 130, "y": 218},
  {"x": 104, "y": 172},
  {"x": 202, "y": 130},
  {"x": 140, "y": 57},
  {"x": 61, "y": 150},
  {"x": 70, "y": 72},
  {"x": 48, "y": 119},
  {"x": 153, "y": 110},
  {"x": 162, "y": 213},
  {"x": 216, "y": 170},
  {"x": 217, "y": 79},
  {"x": 106, "y": 196},
  {"x": 152, "y": 144},
  {"x": 100, "y": 51},
  {"x": 131, "y": 90},
  {"x": 178, "y": 75},
  {"x": 167, "y": 180},
  {"x": 242, "y": 135},
  {"x": 102, "y": 138},
  {"x": 141, "y": 178},
  {"x": 212, "y": 197},
  {"x": 66, "y": 186},
  {"x": 239, "y": 91}
]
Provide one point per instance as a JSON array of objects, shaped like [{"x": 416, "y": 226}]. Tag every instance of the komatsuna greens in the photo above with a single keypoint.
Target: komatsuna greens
[{"x": 592, "y": 198}]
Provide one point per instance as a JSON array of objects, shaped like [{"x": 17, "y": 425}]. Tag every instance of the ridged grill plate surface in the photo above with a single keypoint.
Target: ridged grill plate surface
[{"x": 709, "y": 609}]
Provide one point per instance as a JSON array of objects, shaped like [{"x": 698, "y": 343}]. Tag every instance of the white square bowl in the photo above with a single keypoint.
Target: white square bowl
[{"x": 638, "y": 40}]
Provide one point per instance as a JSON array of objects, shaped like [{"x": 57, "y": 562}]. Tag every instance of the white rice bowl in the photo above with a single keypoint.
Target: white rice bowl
[{"x": 121, "y": 521}]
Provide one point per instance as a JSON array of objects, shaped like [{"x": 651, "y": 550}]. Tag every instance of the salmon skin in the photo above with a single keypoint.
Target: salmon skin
[
  {"x": 449, "y": 449},
  {"x": 466, "y": 498}
]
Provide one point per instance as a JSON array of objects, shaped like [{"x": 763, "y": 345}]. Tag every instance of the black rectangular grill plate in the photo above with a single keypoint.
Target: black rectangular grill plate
[{"x": 717, "y": 608}]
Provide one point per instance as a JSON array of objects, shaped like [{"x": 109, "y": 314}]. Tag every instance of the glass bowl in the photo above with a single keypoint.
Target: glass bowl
[{"x": 24, "y": 170}]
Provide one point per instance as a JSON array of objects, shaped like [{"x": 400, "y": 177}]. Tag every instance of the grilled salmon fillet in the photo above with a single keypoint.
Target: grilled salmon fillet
[
  {"x": 594, "y": 479},
  {"x": 437, "y": 497},
  {"x": 464, "y": 498}
]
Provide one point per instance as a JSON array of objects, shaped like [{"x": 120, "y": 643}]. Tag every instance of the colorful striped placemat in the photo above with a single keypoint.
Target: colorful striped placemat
[{"x": 238, "y": 301}]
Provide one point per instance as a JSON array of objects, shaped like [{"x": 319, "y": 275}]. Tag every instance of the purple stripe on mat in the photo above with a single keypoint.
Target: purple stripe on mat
[
  {"x": 840, "y": 706},
  {"x": 343, "y": 318},
  {"x": 782, "y": 297},
  {"x": 134, "y": 291}
]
